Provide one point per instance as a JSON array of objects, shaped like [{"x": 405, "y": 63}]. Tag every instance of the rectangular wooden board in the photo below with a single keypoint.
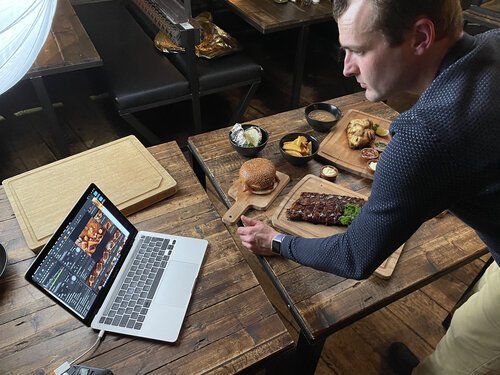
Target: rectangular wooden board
[
  {"x": 315, "y": 184},
  {"x": 124, "y": 169},
  {"x": 335, "y": 148}
]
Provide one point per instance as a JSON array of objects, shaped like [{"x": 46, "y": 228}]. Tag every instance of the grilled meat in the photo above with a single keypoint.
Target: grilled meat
[
  {"x": 320, "y": 208},
  {"x": 360, "y": 133}
]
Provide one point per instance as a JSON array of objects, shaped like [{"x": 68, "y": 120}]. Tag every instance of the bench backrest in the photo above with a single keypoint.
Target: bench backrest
[{"x": 173, "y": 17}]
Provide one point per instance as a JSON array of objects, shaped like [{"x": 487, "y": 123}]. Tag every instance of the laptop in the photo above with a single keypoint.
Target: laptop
[{"x": 112, "y": 277}]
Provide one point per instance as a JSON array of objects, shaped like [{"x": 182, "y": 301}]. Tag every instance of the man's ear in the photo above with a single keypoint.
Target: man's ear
[{"x": 424, "y": 35}]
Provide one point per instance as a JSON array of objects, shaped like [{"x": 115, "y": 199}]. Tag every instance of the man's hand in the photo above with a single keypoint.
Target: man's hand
[{"x": 256, "y": 236}]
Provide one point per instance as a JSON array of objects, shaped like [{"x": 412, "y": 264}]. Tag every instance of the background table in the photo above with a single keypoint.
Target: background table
[
  {"x": 67, "y": 48},
  {"x": 323, "y": 303},
  {"x": 267, "y": 17},
  {"x": 230, "y": 324},
  {"x": 485, "y": 14}
]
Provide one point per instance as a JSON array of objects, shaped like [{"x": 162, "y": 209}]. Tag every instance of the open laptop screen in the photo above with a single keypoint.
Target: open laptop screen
[{"x": 83, "y": 256}]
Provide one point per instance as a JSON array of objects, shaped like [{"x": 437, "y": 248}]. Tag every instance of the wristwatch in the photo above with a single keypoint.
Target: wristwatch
[{"x": 276, "y": 243}]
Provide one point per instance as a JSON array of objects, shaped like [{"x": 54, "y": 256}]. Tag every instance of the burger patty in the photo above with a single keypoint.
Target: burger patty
[{"x": 320, "y": 208}]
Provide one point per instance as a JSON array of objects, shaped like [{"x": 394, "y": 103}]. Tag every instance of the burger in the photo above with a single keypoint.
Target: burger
[{"x": 258, "y": 175}]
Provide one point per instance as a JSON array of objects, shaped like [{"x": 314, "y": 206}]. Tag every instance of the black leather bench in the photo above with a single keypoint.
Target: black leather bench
[
  {"x": 206, "y": 76},
  {"x": 138, "y": 76}
]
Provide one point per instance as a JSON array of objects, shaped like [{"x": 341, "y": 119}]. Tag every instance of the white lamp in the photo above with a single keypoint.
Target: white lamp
[{"x": 24, "y": 26}]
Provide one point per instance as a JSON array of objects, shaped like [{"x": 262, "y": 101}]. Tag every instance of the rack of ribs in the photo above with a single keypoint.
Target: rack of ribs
[{"x": 320, "y": 208}]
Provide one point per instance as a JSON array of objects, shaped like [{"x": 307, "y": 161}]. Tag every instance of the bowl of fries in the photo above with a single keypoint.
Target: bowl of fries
[{"x": 298, "y": 148}]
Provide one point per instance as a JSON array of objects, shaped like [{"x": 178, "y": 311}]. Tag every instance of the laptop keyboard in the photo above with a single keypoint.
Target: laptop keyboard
[{"x": 131, "y": 305}]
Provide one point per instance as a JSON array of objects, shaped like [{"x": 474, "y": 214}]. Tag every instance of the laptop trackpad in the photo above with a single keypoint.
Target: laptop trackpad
[{"x": 177, "y": 283}]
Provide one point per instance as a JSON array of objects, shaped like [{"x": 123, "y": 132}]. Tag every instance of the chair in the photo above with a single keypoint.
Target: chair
[{"x": 205, "y": 76}]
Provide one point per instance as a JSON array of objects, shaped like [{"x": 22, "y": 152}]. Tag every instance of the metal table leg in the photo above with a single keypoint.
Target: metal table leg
[
  {"x": 300, "y": 57},
  {"x": 55, "y": 130},
  {"x": 307, "y": 355},
  {"x": 198, "y": 170}
]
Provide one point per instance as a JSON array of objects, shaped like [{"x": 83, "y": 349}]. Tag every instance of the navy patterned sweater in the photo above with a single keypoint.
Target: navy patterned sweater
[{"x": 444, "y": 154}]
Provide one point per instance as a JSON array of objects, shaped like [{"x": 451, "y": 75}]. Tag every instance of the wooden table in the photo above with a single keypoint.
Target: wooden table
[
  {"x": 486, "y": 15},
  {"x": 267, "y": 17},
  {"x": 230, "y": 325},
  {"x": 323, "y": 303},
  {"x": 67, "y": 48}
]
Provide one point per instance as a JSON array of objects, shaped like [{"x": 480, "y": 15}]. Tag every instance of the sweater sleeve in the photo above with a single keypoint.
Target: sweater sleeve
[{"x": 409, "y": 187}]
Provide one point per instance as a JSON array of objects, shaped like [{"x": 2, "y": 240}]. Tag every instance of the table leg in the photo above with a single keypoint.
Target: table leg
[
  {"x": 465, "y": 296},
  {"x": 300, "y": 58},
  {"x": 55, "y": 130},
  {"x": 307, "y": 355},
  {"x": 198, "y": 170}
]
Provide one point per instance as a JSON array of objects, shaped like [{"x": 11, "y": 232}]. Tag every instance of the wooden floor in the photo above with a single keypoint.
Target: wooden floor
[{"x": 87, "y": 116}]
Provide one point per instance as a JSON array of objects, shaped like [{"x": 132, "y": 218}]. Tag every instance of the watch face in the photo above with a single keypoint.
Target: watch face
[{"x": 276, "y": 244}]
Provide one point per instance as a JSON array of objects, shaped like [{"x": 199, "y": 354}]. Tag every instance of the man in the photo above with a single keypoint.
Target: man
[{"x": 444, "y": 154}]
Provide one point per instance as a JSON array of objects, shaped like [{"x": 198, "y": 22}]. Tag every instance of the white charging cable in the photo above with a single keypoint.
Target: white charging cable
[
  {"x": 61, "y": 370},
  {"x": 93, "y": 347}
]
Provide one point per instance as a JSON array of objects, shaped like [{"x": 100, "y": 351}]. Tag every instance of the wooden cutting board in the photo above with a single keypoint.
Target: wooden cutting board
[
  {"x": 309, "y": 230},
  {"x": 246, "y": 199},
  {"x": 124, "y": 169},
  {"x": 335, "y": 148}
]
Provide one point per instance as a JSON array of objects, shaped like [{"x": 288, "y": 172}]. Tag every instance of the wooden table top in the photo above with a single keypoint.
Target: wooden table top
[
  {"x": 230, "y": 325},
  {"x": 67, "y": 48},
  {"x": 267, "y": 16},
  {"x": 323, "y": 303},
  {"x": 488, "y": 14}
]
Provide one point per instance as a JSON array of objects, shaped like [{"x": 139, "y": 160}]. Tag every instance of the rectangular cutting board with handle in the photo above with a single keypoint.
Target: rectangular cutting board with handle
[
  {"x": 124, "y": 169},
  {"x": 315, "y": 184},
  {"x": 245, "y": 200},
  {"x": 335, "y": 148}
]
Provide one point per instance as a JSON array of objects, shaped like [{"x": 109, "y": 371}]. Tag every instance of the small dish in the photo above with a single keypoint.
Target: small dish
[
  {"x": 299, "y": 160},
  {"x": 250, "y": 151},
  {"x": 371, "y": 165},
  {"x": 380, "y": 146},
  {"x": 329, "y": 173},
  {"x": 369, "y": 153},
  {"x": 322, "y": 116}
]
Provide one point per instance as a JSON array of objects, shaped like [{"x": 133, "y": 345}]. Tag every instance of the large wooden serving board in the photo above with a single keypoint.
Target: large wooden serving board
[
  {"x": 335, "y": 148},
  {"x": 309, "y": 230},
  {"x": 246, "y": 199},
  {"x": 124, "y": 169}
]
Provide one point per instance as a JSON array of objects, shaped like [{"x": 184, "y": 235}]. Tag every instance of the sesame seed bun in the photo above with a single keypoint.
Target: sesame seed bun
[{"x": 258, "y": 175}]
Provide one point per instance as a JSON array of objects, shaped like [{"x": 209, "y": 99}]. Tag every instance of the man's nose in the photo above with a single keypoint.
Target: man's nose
[{"x": 350, "y": 68}]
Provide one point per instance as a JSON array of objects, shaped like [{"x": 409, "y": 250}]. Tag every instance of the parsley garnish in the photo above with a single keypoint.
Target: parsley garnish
[{"x": 350, "y": 212}]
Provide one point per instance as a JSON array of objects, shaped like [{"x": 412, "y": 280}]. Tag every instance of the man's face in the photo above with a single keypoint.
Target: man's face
[{"x": 379, "y": 68}]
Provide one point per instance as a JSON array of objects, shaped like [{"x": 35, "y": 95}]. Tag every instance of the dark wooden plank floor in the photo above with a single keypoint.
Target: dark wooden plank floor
[{"x": 87, "y": 116}]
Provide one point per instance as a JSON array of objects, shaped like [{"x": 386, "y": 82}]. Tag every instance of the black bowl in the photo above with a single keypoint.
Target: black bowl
[
  {"x": 315, "y": 119},
  {"x": 298, "y": 160},
  {"x": 251, "y": 151}
]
